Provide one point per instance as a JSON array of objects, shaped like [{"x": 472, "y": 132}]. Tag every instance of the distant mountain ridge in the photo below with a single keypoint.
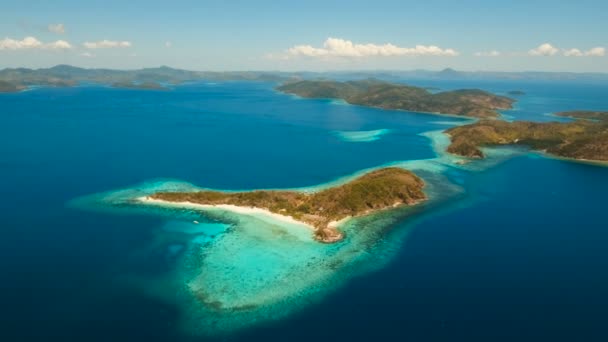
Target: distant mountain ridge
[
  {"x": 67, "y": 75},
  {"x": 16, "y": 79}
]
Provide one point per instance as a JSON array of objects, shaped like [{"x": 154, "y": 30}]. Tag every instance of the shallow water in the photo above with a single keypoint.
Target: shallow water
[
  {"x": 258, "y": 268},
  {"x": 362, "y": 136},
  {"x": 513, "y": 251}
]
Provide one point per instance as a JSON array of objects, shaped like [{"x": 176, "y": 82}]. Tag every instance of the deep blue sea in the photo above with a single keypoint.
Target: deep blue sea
[{"x": 519, "y": 255}]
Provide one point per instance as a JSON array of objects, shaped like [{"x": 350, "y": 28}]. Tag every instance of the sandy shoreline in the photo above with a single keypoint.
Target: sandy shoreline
[{"x": 228, "y": 207}]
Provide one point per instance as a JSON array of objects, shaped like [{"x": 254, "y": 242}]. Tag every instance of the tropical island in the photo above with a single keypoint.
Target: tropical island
[
  {"x": 586, "y": 138},
  {"x": 377, "y": 190},
  {"x": 580, "y": 139},
  {"x": 374, "y": 93}
]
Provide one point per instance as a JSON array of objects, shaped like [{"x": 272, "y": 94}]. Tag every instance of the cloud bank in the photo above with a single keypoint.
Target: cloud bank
[
  {"x": 547, "y": 49},
  {"x": 33, "y": 43},
  {"x": 336, "y": 47},
  {"x": 107, "y": 44},
  {"x": 593, "y": 52}
]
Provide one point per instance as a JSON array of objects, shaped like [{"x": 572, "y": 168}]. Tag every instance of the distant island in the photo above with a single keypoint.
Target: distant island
[
  {"x": 585, "y": 115},
  {"x": 324, "y": 210},
  {"x": 516, "y": 93},
  {"x": 374, "y": 93},
  {"x": 581, "y": 139},
  {"x": 18, "y": 79}
]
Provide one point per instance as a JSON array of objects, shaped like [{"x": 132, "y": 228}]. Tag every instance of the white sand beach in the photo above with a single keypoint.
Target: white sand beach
[{"x": 254, "y": 211}]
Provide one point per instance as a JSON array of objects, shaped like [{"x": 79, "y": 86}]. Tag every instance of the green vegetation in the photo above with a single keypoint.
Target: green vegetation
[
  {"x": 374, "y": 93},
  {"x": 377, "y": 190},
  {"x": 7, "y": 87},
  {"x": 585, "y": 115},
  {"x": 580, "y": 139}
]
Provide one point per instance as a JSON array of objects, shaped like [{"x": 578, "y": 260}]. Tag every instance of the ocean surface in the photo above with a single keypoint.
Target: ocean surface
[{"x": 512, "y": 249}]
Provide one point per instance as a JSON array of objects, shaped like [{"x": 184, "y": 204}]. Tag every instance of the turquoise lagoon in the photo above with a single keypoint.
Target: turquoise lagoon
[
  {"x": 499, "y": 241},
  {"x": 233, "y": 270}
]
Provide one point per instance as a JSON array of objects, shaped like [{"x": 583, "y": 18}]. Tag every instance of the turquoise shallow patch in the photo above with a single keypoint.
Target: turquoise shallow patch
[
  {"x": 361, "y": 136},
  {"x": 195, "y": 227},
  {"x": 233, "y": 270}
]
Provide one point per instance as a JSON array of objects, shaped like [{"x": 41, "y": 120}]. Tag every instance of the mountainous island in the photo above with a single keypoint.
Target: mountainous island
[
  {"x": 585, "y": 138},
  {"x": 374, "y": 93},
  {"x": 17, "y": 79},
  {"x": 12, "y": 80},
  {"x": 378, "y": 190},
  {"x": 581, "y": 139}
]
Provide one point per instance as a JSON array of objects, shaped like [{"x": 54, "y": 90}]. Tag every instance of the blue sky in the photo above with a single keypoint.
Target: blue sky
[{"x": 268, "y": 35}]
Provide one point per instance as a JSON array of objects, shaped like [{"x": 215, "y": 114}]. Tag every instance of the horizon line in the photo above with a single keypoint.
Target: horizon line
[{"x": 449, "y": 69}]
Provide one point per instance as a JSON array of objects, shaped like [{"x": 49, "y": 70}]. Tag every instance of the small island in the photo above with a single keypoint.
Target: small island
[
  {"x": 580, "y": 140},
  {"x": 377, "y": 190},
  {"x": 374, "y": 93},
  {"x": 516, "y": 93}
]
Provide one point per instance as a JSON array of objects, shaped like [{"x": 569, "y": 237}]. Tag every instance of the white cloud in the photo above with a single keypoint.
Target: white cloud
[
  {"x": 168, "y": 44},
  {"x": 56, "y": 28},
  {"x": 26, "y": 43},
  {"x": 550, "y": 50},
  {"x": 107, "y": 44},
  {"x": 59, "y": 45},
  {"x": 336, "y": 47},
  {"x": 33, "y": 43},
  {"x": 492, "y": 53},
  {"x": 596, "y": 52},
  {"x": 573, "y": 53},
  {"x": 87, "y": 55},
  {"x": 593, "y": 52},
  {"x": 545, "y": 49}
]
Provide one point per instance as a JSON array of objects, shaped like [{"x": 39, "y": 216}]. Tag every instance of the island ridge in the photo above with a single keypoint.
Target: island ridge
[
  {"x": 374, "y": 93},
  {"x": 377, "y": 190},
  {"x": 580, "y": 139}
]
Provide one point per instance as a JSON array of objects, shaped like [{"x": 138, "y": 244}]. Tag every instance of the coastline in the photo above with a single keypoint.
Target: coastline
[
  {"x": 227, "y": 207},
  {"x": 344, "y": 102},
  {"x": 600, "y": 163}
]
